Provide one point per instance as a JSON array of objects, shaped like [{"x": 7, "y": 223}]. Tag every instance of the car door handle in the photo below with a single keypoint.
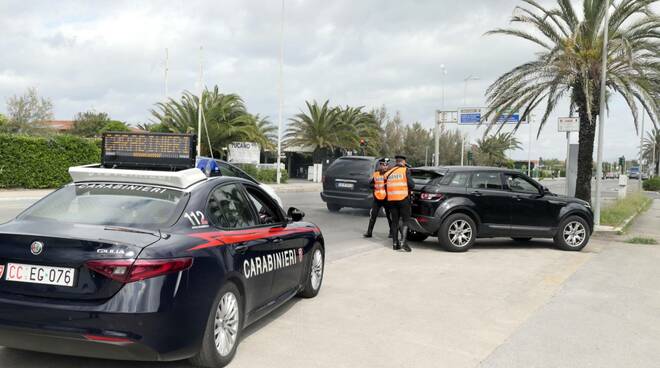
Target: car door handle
[
  {"x": 241, "y": 247},
  {"x": 277, "y": 240},
  {"x": 477, "y": 193}
]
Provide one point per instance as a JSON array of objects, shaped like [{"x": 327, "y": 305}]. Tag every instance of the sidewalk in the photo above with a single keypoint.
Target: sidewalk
[
  {"x": 23, "y": 194},
  {"x": 646, "y": 224},
  {"x": 297, "y": 185}
]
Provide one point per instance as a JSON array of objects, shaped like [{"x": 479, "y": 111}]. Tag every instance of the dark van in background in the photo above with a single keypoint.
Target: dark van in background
[{"x": 346, "y": 183}]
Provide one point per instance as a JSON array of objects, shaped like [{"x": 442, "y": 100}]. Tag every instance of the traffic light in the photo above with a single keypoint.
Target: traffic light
[
  {"x": 363, "y": 142},
  {"x": 469, "y": 155},
  {"x": 622, "y": 164}
]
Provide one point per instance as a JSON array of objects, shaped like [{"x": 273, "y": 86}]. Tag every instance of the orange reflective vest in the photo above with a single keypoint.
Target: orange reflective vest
[
  {"x": 396, "y": 184},
  {"x": 379, "y": 186}
]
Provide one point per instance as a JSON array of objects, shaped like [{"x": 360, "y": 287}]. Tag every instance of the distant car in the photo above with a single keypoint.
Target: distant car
[
  {"x": 460, "y": 204},
  {"x": 224, "y": 168},
  {"x": 633, "y": 173},
  {"x": 346, "y": 183}
]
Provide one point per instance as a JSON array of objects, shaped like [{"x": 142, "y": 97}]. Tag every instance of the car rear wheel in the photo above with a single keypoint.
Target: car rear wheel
[
  {"x": 522, "y": 240},
  {"x": 314, "y": 277},
  {"x": 457, "y": 233},
  {"x": 223, "y": 329},
  {"x": 416, "y": 236},
  {"x": 333, "y": 207},
  {"x": 573, "y": 234}
]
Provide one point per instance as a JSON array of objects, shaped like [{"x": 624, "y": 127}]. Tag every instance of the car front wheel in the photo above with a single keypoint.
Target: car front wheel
[
  {"x": 223, "y": 329},
  {"x": 573, "y": 234},
  {"x": 457, "y": 233},
  {"x": 314, "y": 277}
]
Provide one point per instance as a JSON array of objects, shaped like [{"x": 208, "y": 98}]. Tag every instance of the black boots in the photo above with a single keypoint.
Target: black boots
[
  {"x": 370, "y": 228},
  {"x": 404, "y": 243},
  {"x": 396, "y": 245}
]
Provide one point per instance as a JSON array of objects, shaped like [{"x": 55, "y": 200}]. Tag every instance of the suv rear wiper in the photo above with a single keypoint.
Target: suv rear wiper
[{"x": 131, "y": 230}]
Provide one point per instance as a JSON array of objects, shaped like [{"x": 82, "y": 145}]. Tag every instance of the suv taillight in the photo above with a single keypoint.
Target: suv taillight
[
  {"x": 128, "y": 270},
  {"x": 431, "y": 196}
]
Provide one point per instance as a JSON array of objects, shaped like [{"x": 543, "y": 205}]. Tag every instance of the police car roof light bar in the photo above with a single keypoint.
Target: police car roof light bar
[
  {"x": 178, "y": 179},
  {"x": 146, "y": 150}
]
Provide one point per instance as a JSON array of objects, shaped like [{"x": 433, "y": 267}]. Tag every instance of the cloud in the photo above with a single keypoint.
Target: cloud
[{"x": 110, "y": 56}]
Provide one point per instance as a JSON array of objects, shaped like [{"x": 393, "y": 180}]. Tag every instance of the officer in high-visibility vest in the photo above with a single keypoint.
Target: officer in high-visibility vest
[
  {"x": 398, "y": 185},
  {"x": 380, "y": 197}
]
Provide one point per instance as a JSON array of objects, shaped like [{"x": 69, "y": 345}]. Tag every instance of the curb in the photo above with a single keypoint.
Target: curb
[{"x": 297, "y": 188}]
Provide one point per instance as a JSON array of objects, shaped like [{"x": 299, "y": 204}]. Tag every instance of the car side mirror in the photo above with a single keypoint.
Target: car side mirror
[
  {"x": 544, "y": 190},
  {"x": 295, "y": 214}
]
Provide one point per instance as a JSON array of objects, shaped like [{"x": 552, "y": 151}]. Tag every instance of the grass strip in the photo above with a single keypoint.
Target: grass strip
[
  {"x": 641, "y": 240},
  {"x": 622, "y": 209}
]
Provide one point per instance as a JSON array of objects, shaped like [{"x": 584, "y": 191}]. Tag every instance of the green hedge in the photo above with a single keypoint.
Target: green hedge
[
  {"x": 652, "y": 184},
  {"x": 264, "y": 175},
  {"x": 40, "y": 162}
]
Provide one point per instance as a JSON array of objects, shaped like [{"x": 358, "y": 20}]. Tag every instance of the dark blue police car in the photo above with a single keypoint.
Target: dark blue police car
[{"x": 157, "y": 264}]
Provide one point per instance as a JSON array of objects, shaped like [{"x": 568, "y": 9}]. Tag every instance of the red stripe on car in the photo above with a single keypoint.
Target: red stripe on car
[{"x": 220, "y": 238}]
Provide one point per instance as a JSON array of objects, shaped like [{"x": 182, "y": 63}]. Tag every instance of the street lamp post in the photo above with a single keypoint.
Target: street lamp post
[
  {"x": 437, "y": 120},
  {"x": 601, "y": 116},
  {"x": 281, "y": 97},
  {"x": 641, "y": 144},
  {"x": 466, "y": 80}
]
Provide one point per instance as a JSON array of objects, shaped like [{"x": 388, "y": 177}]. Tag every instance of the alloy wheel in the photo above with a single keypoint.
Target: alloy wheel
[
  {"x": 317, "y": 269},
  {"x": 460, "y": 233},
  {"x": 226, "y": 324},
  {"x": 574, "y": 233}
]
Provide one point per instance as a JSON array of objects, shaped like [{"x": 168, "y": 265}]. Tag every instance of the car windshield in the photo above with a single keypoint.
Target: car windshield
[
  {"x": 351, "y": 167},
  {"x": 111, "y": 204}
]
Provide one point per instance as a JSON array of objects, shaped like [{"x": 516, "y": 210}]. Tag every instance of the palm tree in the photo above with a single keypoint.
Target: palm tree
[
  {"x": 569, "y": 65},
  {"x": 226, "y": 116},
  {"x": 651, "y": 148},
  {"x": 491, "y": 150},
  {"x": 319, "y": 128},
  {"x": 363, "y": 125}
]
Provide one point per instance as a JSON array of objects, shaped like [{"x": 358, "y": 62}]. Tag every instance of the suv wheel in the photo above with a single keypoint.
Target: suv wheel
[
  {"x": 573, "y": 234},
  {"x": 416, "y": 236},
  {"x": 457, "y": 233},
  {"x": 333, "y": 207}
]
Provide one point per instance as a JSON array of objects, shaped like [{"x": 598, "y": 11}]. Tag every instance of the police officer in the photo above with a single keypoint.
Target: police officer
[
  {"x": 398, "y": 185},
  {"x": 380, "y": 197}
]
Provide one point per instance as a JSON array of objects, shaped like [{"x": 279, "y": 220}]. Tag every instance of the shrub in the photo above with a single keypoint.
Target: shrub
[
  {"x": 652, "y": 184},
  {"x": 264, "y": 175},
  {"x": 40, "y": 162}
]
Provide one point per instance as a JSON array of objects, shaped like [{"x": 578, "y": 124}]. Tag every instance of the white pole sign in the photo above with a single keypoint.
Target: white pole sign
[
  {"x": 244, "y": 153},
  {"x": 568, "y": 125}
]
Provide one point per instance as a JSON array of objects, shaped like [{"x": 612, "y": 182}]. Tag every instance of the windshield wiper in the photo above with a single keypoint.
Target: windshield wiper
[{"x": 131, "y": 230}]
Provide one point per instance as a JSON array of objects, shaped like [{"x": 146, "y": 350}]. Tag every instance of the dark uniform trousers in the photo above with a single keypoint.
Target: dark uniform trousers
[
  {"x": 399, "y": 210},
  {"x": 373, "y": 214}
]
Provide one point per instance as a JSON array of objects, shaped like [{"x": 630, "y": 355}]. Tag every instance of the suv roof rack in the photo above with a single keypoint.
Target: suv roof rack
[{"x": 178, "y": 179}]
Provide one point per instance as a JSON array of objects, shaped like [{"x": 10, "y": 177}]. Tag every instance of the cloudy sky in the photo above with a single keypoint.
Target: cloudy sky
[{"x": 110, "y": 56}]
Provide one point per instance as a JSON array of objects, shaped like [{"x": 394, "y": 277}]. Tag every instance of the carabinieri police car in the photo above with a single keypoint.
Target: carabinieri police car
[{"x": 144, "y": 257}]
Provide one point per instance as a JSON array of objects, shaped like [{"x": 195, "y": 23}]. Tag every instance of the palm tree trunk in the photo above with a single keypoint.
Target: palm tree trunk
[{"x": 585, "y": 159}]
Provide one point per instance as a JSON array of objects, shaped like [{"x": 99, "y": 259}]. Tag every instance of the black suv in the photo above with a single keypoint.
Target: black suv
[
  {"x": 346, "y": 183},
  {"x": 460, "y": 204}
]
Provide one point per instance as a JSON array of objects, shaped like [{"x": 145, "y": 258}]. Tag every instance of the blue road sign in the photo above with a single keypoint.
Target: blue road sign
[{"x": 509, "y": 118}]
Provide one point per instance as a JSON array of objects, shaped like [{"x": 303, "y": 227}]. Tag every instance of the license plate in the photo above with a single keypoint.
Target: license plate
[
  {"x": 345, "y": 185},
  {"x": 60, "y": 276}
]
